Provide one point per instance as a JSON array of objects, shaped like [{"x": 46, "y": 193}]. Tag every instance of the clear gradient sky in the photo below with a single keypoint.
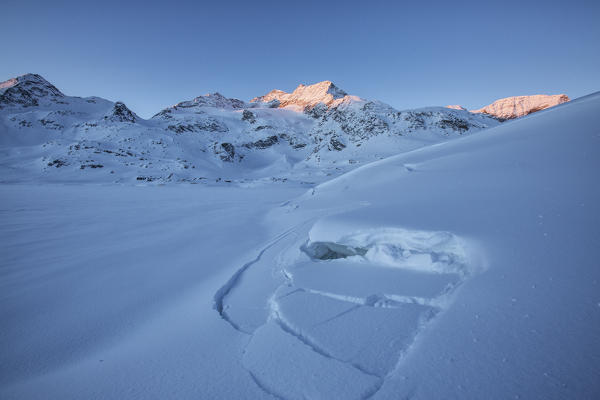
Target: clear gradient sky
[{"x": 408, "y": 54}]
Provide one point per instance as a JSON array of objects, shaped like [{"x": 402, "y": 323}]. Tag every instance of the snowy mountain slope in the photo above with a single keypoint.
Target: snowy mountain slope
[
  {"x": 513, "y": 212},
  {"x": 461, "y": 270},
  {"x": 518, "y": 106},
  {"x": 321, "y": 131}
]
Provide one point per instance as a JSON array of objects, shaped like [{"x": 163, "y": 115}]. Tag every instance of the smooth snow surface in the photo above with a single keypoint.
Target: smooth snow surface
[{"x": 462, "y": 270}]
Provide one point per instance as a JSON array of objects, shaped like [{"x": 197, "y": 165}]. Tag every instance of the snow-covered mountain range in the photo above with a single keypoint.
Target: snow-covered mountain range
[{"x": 307, "y": 135}]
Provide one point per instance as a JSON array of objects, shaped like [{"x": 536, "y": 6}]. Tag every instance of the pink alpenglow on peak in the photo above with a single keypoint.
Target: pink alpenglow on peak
[
  {"x": 519, "y": 106},
  {"x": 305, "y": 96},
  {"x": 27, "y": 91},
  {"x": 9, "y": 83},
  {"x": 456, "y": 107}
]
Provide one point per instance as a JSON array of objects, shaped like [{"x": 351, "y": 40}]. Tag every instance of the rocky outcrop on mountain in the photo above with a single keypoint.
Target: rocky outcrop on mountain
[
  {"x": 226, "y": 151},
  {"x": 248, "y": 116},
  {"x": 120, "y": 113},
  {"x": 354, "y": 121},
  {"x": 304, "y": 97},
  {"x": 515, "y": 107},
  {"x": 205, "y": 124},
  {"x": 216, "y": 100},
  {"x": 342, "y": 120},
  {"x": 27, "y": 90},
  {"x": 193, "y": 110},
  {"x": 263, "y": 143}
]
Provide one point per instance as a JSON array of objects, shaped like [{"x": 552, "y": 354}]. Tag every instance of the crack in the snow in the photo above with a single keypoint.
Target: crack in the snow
[
  {"x": 263, "y": 387},
  {"x": 286, "y": 327},
  {"x": 356, "y": 307},
  {"x": 378, "y": 300},
  {"x": 434, "y": 305},
  {"x": 220, "y": 295}
]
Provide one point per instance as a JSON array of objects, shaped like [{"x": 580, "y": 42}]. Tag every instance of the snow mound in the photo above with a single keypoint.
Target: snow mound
[{"x": 439, "y": 252}]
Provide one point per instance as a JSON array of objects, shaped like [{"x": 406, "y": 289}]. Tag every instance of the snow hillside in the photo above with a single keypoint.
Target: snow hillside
[
  {"x": 506, "y": 220},
  {"x": 460, "y": 270},
  {"x": 518, "y": 106},
  {"x": 310, "y": 135}
]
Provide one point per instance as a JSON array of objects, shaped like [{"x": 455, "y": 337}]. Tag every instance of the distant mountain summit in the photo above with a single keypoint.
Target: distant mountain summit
[
  {"x": 211, "y": 100},
  {"x": 518, "y": 106},
  {"x": 456, "y": 107},
  {"x": 27, "y": 90},
  {"x": 304, "y": 97},
  {"x": 121, "y": 113}
]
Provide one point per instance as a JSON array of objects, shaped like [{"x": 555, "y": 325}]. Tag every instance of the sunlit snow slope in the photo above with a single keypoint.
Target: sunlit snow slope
[{"x": 509, "y": 219}]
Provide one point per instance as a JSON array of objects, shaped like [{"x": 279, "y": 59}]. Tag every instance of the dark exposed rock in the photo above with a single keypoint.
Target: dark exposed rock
[
  {"x": 317, "y": 111},
  {"x": 292, "y": 141},
  {"x": 205, "y": 125},
  {"x": 335, "y": 144},
  {"x": 454, "y": 124},
  {"x": 94, "y": 166},
  {"x": 120, "y": 113},
  {"x": 57, "y": 163},
  {"x": 260, "y": 128},
  {"x": 49, "y": 124},
  {"x": 228, "y": 152},
  {"x": 262, "y": 143},
  {"x": 164, "y": 114},
  {"x": 248, "y": 116}
]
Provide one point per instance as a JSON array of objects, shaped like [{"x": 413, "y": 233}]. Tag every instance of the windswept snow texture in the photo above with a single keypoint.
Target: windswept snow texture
[{"x": 461, "y": 270}]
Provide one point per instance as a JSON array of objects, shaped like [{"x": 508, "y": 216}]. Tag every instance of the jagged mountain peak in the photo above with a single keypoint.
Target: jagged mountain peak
[
  {"x": 121, "y": 113},
  {"x": 518, "y": 106},
  {"x": 305, "y": 96},
  {"x": 324, "y": 87},
  {"x": 26, "y": 91},
  {"x": 25, "y": 79},
  {"x": 216, "y": 100}
]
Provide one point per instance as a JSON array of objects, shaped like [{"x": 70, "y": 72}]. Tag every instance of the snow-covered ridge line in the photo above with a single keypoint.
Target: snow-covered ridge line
[
  {"x": 519, "y": 106},
  {"x": 310, "y": 135}
]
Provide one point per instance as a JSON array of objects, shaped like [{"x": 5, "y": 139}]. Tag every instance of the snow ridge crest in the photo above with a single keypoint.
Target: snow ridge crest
[
  {"x": 26, "y": 91},
  {"x": 305, "y": 96}
]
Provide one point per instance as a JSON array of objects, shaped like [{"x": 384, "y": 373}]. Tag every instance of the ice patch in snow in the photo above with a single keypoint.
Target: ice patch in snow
[{"x": 331, "y": 251}]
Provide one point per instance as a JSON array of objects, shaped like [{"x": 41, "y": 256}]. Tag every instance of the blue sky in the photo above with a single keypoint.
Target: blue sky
[{"x": 408, "y": 54}]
